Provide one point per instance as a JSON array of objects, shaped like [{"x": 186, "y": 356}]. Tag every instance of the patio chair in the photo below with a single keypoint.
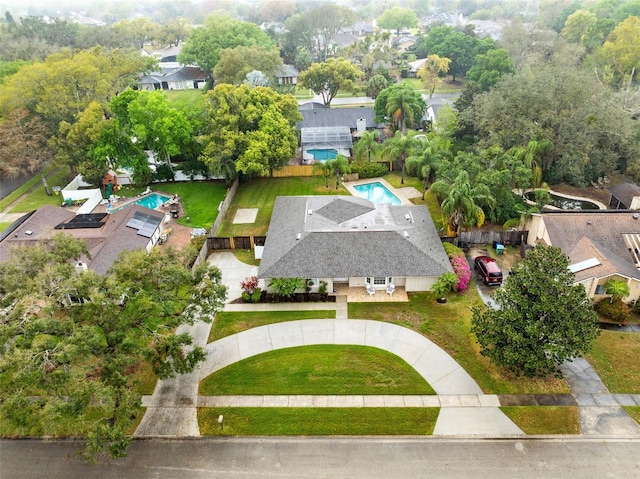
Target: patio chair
[
  {"x": 390, "y": 289},
  {"x": 370, "y": 289}
]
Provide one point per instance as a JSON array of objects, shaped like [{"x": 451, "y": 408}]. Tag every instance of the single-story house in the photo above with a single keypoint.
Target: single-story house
[
  {"x": 330, "y": 127},
  {"x": 625, "y": 196},
  {"x": 175, "y": 78},
  {"x": 601, "y": 245},
  {"x": 287, "y": 75},
  {"x": 133, "y": 227},
  {"x": 350, "y": 240},
  {"x": 415, "y": 66}
]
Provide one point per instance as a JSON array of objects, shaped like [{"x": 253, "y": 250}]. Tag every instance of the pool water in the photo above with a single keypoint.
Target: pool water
[
  {"x": 377, "y": 193},
  {"x": 323, "y": 155},
  {"x": 151, "y": 201},
  {"x": 564, "y": 203}
]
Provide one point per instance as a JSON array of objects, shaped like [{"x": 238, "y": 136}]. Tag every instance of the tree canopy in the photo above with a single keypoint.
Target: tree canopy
[
  {"x": 252, "y": 129},
  {"x": 411, "y": 98},
  {"x": 235, "y": 63},
  {"x": 446, "y": 42},
  {"x": 542, "y": 318},
  {"x": 328, "y": 77},
  {"x": 74, "y": 342},
  {"x": 219, "y": 32},
  {"x": 396, "y": 18}
]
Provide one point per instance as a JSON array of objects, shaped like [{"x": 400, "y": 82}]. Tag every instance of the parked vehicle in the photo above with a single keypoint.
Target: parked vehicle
[{"x": 488, "y": 269}]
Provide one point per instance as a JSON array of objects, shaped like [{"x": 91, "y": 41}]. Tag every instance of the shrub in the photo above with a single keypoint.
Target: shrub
[
  {"x": 249, "y": 285},
  {"x": 367, "y": 169},
  {"x": 459, "y": 264},
  {"x": 257, "y": 294},
  {"x": 614, "y": 310},
  {"x": 446, "y": 283},
  {"x": 286, "y": 287}
]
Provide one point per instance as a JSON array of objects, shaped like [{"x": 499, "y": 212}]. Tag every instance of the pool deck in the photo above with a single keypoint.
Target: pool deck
[{"x": 403, "y": 194}]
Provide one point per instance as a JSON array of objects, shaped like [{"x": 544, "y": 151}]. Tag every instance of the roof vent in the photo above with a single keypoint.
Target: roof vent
[
  {"x": 636, "y": 216},
  {"x": 81, "y": 267},
  {"x": 589, "y": 222},
  {"x": 406, "y": 234},
  {"x": 310, "y": 212},
  {"x": 298, "y": 236},
  {"x": 28, "y": 232}
]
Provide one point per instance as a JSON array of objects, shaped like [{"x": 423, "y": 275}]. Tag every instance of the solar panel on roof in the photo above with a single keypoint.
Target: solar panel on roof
[
  {"x": 145, "y": 223},
  {"x": 90, "y": 220}
]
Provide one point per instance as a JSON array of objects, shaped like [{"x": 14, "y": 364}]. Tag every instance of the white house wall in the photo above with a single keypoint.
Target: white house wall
[{"x": 419, "y": 283}]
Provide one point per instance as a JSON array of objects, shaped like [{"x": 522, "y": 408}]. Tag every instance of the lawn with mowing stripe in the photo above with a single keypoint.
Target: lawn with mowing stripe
[
  {"x": 449, "y": 326},
  {"x": 200, "y": 200},
  {"x": 243, "y": 421},
  {"x": 228, "y": 323},
  {"x": 317, "y": 370},
  {"x": 261, "y": 193},
  {"x": 545, "y": 419},
  {"x": 616, "y": 358}
]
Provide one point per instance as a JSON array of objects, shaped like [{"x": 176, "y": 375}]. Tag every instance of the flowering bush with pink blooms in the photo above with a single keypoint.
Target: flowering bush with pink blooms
[{"x": 459, "y": 264}]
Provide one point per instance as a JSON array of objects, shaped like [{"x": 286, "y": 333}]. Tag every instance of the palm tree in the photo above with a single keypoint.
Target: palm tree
[
  {"x": 401, "y": 105},
  {"x": 338, "y": 166},
  {"x": 224, "y": 167},
  {"x": 401, "y": 147},
  {"x": 532, "y": 155},
  {"x": 461, "y": 203},
  {"x": 424, "y": 165},
  {"x": 367, "y": 145},
  {"x": 617, "y": 288}
]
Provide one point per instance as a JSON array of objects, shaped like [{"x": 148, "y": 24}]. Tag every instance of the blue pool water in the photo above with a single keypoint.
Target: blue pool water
[
  {"x": 323, "y": 155},
  {"x": 377, "y": 193},
  {"x": 151, "y": 201}
]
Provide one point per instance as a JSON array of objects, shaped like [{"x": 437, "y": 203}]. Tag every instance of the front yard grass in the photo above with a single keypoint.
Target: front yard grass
[
  {"x": 243, "y": 421},
  {"x": 317, "y": 370},
  {"x": 448, "y": 325},
  {"x": 228, "y": 323},
  {"x": 633, "y": 411},
  {"x": 616, "y": 358},
  {"x": 200, "y": 200},
  {"x": 545, "y": 419},
  {"x": 261, "y": 193},
  {"x": 38, "y": 197}
]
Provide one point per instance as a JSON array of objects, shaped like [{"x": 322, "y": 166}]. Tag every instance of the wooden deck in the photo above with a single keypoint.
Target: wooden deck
[{"x": 360, "y": 295}]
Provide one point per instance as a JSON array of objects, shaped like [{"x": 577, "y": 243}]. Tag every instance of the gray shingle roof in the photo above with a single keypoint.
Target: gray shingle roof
[
  {"x": 355, "y": 239},
  {"x": 624, "y": 192},
  {"x": 337, "y": 117}
]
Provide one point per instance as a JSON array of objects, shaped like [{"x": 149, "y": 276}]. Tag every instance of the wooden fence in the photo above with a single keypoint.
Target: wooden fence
[
  {"x": 296, "y": 170},
  {"x": 468, "y": 238},
  {"x": 237, "y": 242}
]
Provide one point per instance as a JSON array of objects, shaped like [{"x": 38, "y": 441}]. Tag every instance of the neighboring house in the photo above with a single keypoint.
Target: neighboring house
[
  {"x": 625, "y": 196},
  {"x": 131, "y": 228},
  {"x": 176, "y": 78},
  {"x": 288, "y": 75},
  {"x": 415, "y": 66},
  {"x": 601, "y": 245},
  {"x": 168, "y": 55},
  {"x": 359, "y": 29},
  {"x": 329, "y": 131},
  {"x": 349, "y": 240},
  {"x": 404, "y": 43},
  {"x": 343, "y": 40}
]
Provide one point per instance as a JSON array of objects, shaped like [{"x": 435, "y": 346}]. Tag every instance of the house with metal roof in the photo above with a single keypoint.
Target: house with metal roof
[
  {"x": 352, "y": 241},
  {"x": 175, "y": 78},
  {"x": 601, "y": 245},
  {"x": 133, "y": 227}
]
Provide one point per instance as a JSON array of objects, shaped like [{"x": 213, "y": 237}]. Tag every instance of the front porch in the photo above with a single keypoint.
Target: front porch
[{"x": 359, "y": 294}]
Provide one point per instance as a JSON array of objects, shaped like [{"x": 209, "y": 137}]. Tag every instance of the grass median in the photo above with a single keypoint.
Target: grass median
[
  {"x": 545, "y": 419},
  {"x": 244, "y": 421},
  {"x": 318, "y": 370},
  {"x": 616, "y": 358},
  {"x": 228, "y": 323}
]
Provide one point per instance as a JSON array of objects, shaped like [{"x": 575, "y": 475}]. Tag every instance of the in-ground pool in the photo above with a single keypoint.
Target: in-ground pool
[
  {"x": 151, "y": 201},
  {"x": 564, "y": 203},
  {"x": 323, "y": 155},
  {"x": 377, "y": 193}
]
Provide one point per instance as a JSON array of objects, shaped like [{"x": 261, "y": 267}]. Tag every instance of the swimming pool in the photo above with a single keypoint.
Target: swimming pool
[
  {"x": 377, "y": 193},
  {"x": 323, "y": 155},
  {"x": 151, "y": 201}
]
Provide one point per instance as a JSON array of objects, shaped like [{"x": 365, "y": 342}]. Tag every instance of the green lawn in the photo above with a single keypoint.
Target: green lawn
[
  {"x": 545, "y": 419},
  {"x": 261, "y": 193},
  {"x": 200, "y": 200},
  {"x": 317, "y": 421},
  {"x": 616, "y": 358},
  {"x": 38, "y": 196},
  {"x": 228, "y": 323},
  {"x": 448, "y": 325},
  {"x": 4, "y": 226},
  {"x": 319, "y": 370},
  {"x": 247, "y": 256},
  {"x": 634, "y": 412}
]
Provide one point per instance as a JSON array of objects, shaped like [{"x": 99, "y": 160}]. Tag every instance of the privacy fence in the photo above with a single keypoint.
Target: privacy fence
[{"x": 468, "y": 238}]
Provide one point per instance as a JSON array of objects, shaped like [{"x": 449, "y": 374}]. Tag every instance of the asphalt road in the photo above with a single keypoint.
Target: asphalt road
[{"x": 304, "y": 458}]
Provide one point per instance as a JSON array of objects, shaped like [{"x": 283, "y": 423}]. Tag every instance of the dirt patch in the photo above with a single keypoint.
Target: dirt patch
[{"x": 506, "y": 260}]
